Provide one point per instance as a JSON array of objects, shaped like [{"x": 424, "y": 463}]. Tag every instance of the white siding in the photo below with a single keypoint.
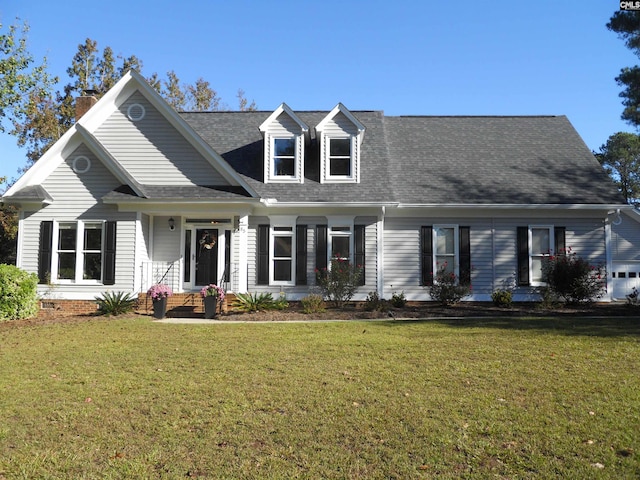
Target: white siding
[
  {"x": 493, "y": 251},
  {"x": 625, "y": 240},
  {"x": 153, "y": 151},
  {"x": 78, "y": 197}
]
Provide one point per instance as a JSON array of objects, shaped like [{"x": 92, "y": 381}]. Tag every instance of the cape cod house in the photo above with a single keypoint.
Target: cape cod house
[{"x": 136, "y": 193}]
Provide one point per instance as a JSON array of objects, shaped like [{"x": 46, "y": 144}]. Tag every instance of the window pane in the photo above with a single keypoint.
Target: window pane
[
  {"x": 536, "y": 269},
  {"x": 340, "y": 166},
  {"x": 282, "y": 246},
  {"x": 66, "y": 266},
  {"x": 92, "y": 266},
  {"x": 282, "y": 270},
  {"x": 93, "y": 237},
  {"x": 340, "y": 147},
  {"x": 284, "y": 147},
  {"x": 445, "y": 241},
  {"x": 340, "y": 247},
  {"x": 284, "y": 166},
  {"x": 446, "y": 261},
  {"x": 540, "y": 241},
  {"x": 67, "y": 238}
]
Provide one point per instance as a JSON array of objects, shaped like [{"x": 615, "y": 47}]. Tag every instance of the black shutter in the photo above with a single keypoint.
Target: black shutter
[
  {"x": 559, "y": 235},
  {"x": 523, "y": 256},
  {"x": 301, "y": 254},
  {"x": 263, "y": 255},
  {"x": 359, "y": 257},
  {"x": 321, "y": 247},
  {"x": 45, "y": 249},
  {"x": 109, "y": 276},
  {"x": 426, "y": 255},
  {"x": 465, "y": 255}
]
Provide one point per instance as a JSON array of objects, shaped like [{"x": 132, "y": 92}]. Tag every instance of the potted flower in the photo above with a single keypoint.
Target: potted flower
[
  {"x": 211, "y": 295},
  {"x": 159, "y": 294}
]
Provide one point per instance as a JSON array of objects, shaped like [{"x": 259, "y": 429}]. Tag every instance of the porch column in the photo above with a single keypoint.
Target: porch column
[{"x": 243, "y": 246}]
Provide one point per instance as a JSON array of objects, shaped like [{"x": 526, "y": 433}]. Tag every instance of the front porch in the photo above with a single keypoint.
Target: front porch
[{"x": 187, "y": 304}]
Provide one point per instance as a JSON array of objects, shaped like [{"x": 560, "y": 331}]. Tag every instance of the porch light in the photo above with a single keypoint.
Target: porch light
[{"x": 172, "y": 224}]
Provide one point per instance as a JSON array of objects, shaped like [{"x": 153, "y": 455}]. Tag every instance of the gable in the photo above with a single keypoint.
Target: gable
[
  {"x": 143, "y": 141},
  {"x": 78, "y": 183}
]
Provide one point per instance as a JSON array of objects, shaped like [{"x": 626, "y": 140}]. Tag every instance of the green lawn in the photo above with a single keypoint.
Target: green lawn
[{"x": 492, "y": 398}]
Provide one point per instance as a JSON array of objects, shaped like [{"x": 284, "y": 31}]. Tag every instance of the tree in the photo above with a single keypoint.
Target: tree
[
  {"x": 202, "y": 97},
  {"x": 626, "y": 23},
  {"x": 620, "y": 157},
  {"x": 19, "y": 74}
]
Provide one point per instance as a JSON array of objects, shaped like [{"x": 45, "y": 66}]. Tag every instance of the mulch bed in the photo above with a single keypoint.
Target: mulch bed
[{"x": 467, "y": 310}]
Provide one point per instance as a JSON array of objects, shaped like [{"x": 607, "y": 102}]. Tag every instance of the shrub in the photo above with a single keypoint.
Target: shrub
[
  {"x": 313, "y": 303},
  {"x": 281, "y": 303},
  {"x": 398, "y": 300},
  {"x": 18, "y": 293},
  {"x": 116, "y": 303},
  {"x": 253, "y": 302},
  {"x": 374, "y": 303},
  {"x": 446, "y": 288},
  {"x": 572, "y": 278},
  {"x": 502, "y": 297},
  {"x": 338, "y": 284}
]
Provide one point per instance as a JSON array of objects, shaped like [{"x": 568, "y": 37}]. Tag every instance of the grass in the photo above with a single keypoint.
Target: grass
[{"x": 128, "y": 398}]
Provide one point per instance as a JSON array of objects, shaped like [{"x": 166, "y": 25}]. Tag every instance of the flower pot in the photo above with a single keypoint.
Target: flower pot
[
  {"x": 210, "y": 307},
  {"x": 160, "y": 307}
]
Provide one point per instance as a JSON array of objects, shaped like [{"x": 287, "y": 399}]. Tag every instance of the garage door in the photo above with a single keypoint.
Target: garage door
[{"x": 625, "y": 276}]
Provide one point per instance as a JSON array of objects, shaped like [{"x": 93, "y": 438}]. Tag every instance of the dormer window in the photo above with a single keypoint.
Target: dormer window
[
  {"x": 340, "y": 135},
  {"x": 284, "y": 157},
  {"x": 284, "y": 137},
  {"x": 340, "y": 158}
]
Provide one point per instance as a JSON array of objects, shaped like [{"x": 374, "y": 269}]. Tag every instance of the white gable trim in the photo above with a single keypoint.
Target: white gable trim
[
  {"x": 340, "y": 108},
  {"x": 283, "y": 108}
]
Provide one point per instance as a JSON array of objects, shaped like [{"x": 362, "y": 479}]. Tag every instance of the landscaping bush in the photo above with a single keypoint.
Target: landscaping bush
[
  {"x": 502, "y": 297},
  {"x": 573, "y": 279},
  {"x": 116, "y": 303},
  {"x": 398, "y": 300},
  {"x": 339, "y": 283},
  {"x": 313, "y": 303},
  {"x": 374, "y": 303},
  {"x": 446, "y": 288},
  {"x": 253, "y": 302},
  {"x": 18, "y": 293}
]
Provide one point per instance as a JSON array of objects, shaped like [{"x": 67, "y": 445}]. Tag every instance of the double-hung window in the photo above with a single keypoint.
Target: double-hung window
[
  {"x": 535, "y": 243},
  {"x": 284, "y": 158},
  {"x": 79, "y": 251},
  {"x": 282, "y": 241},
  {"x": 340, "y": 158},
  {"x": 447, "y": 248},
  {"x": 340, "y": 243}
]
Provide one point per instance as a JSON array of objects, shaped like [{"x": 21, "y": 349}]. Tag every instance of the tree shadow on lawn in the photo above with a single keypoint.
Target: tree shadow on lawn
[{"x": 584, "y": 326}]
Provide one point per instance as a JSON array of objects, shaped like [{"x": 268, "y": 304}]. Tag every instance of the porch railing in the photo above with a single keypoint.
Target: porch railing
[{"x": 160, "y": 272}]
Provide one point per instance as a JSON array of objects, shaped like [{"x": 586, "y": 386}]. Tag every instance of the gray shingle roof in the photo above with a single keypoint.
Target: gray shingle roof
[{"x": 430, "y": 160}]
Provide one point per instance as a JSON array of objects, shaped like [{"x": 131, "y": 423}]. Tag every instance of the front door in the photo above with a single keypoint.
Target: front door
[{"x": 204, "y": 256}]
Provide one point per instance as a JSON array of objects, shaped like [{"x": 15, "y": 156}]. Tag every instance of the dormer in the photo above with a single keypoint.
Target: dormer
[
  {"x": 340, "y": 135},
  {"x": 284, "y": 139}
]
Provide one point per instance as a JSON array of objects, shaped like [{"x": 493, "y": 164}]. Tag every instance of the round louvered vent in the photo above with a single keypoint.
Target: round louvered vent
[
  {"x": 135, "y": 112},
  {"x": 81, "y": 164}
]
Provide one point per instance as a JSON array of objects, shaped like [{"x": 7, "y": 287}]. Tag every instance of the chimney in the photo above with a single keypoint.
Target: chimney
[{"x": 85, "y": 102}]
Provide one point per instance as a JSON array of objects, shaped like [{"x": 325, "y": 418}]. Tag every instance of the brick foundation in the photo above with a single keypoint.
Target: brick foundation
[{"x": 66, "y": 308}]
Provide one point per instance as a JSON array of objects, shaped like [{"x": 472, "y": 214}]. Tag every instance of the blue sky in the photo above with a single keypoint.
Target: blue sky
[{"x": 405, "y": 57}]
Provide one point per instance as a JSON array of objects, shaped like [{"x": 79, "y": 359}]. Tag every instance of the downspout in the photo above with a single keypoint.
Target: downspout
[{"x": 380, "y": 235}]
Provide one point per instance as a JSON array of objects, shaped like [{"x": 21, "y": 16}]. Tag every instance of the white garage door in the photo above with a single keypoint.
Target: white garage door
[{"x": 625, "y": 276}]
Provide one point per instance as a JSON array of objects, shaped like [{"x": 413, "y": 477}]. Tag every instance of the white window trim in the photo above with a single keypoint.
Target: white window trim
[
  {"x": 298, "y": 161},
  {"x": 340, "y": 222},
  {"x": 326, "y": 160},
  {"x": 282, "y": 222},
  {"x": 551, "y": 230},
  {"x": 456, "y": 247},
  {"x": 79, "y": 252}
]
